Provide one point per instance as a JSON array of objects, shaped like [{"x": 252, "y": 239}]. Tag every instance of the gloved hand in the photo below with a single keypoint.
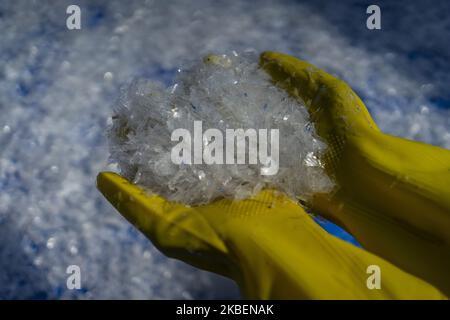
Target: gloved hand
[
  {"x": 393, "y": 194},
  {"x": 268, "y": 244}
]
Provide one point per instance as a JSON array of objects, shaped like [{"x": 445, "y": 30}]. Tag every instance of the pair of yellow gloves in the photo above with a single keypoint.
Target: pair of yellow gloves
[{"x": 392, "y": 195}]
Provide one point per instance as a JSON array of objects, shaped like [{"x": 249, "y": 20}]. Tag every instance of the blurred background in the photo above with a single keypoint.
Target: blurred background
[{"x": 57, "y": 88}]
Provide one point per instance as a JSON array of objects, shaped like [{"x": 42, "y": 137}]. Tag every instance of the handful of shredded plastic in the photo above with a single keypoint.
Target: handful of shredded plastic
[{"x": 210, "y": 100}]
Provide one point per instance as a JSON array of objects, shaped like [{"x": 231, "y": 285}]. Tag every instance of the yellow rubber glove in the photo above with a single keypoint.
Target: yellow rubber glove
[
  {"x": 393, "y": 194},
  {"x": 267, "y": 244}
]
